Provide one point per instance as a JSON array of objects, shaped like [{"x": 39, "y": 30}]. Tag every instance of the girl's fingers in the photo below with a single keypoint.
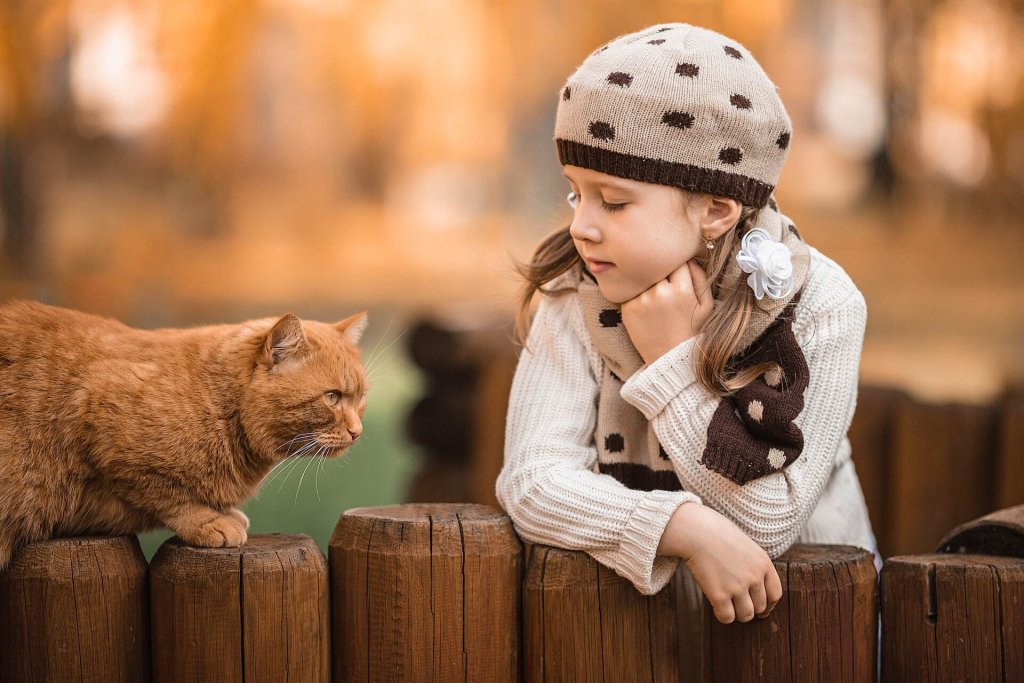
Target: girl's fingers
[
  {"x": 773, "y": 591},
  {"x": 724, "y": 611},
  {"x": 700, "y": 282},
  {"x": 744, "y": 607},
  {"x": 759, "y": 597}
]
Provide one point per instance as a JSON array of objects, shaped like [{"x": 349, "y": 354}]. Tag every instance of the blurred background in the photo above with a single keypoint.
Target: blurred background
[{"x": 182, "y": 163}]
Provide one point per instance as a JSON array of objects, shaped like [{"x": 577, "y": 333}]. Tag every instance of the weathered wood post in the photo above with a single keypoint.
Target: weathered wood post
[
  {"x": 73, "y": 610},
  {"x": 958, "y": 615},
  {"x": 825, "y": 628},
  {"x": 425, "y": 592},
  {"x": 583, "y": 622},
  {"x": 254, "y": 613}
]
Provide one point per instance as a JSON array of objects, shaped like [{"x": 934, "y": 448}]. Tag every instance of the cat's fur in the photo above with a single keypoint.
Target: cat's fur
[{"x": 113, "y": 430}]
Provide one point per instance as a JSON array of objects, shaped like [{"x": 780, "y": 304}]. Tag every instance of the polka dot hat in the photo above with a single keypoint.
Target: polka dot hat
[{"x": 677, "y": 105}]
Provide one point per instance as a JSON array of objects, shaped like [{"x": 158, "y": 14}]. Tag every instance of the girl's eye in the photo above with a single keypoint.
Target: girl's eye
[
  {"x": 332, "y": 397},
  {"x": 611, "y": 207},
  {"x": 572, "y": 198}
]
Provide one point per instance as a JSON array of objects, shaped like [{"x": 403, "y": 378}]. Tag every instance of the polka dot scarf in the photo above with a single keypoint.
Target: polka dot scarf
[{"x": 752, "y": 432}]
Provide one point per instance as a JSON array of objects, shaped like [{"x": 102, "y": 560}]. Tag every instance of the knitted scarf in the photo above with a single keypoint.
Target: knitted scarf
[{"x": 752, "y": 432}]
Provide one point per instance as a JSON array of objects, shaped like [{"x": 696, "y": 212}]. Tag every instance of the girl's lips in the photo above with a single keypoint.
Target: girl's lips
[{"x": 599, "y": 266}]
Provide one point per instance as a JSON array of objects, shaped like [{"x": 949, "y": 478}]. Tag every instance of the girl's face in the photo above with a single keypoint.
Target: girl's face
[{"x": 631, "y": 234}]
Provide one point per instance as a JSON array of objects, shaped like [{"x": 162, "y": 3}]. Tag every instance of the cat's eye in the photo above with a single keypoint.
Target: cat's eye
[{"x": 332, "y": 397}]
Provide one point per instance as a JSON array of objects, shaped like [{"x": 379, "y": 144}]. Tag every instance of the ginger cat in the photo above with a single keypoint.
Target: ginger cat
[{"x": 106, "y": 429}]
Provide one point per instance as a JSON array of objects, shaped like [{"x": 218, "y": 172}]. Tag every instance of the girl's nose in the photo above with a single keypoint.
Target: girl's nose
[{"x": 583, "y": 228}]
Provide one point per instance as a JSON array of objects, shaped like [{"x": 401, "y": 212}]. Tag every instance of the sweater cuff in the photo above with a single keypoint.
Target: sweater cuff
[
  {"x": 651, "y": 387},
  {"x": 638, "y": 549}
]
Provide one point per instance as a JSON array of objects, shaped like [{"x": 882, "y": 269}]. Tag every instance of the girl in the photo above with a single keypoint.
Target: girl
[{"x": 688, "y": 380}]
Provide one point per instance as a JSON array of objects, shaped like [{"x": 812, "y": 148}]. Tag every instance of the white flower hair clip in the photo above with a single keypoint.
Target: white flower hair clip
[{"x": 768, "y": 262}]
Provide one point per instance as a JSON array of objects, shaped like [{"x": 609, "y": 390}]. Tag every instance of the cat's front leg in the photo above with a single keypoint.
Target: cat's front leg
[{"x": 205, "y": 527}]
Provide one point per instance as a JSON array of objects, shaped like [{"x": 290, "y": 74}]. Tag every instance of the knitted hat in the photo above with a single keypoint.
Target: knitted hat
[{"x": 678, "y": 105}]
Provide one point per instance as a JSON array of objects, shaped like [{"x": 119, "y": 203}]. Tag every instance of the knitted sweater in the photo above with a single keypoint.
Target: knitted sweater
[{"x": 551, "y": 490}]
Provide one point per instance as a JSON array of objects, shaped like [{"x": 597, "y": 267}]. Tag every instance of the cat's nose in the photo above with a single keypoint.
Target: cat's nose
[{"x": 354, "y": 433}]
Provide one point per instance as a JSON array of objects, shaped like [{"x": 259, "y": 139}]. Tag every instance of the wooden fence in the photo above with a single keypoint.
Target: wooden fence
[
  {"x": 908, "y": 453},
  {"x": 441, "y": 592}
]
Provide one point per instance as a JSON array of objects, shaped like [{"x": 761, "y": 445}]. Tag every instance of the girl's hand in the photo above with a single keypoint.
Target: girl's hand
[
  {"x": 669, "y": 312},
  {"x": 735, "y": 574}
]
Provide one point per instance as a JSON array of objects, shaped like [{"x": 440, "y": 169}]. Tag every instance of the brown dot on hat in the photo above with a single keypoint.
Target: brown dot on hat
[
  {"x": 566, "y": 93},
  {"x": 783, "y": 140},
  {"x": 666, "y": 28},
  {"x": 661, "y": 452},
  {"x": 771, "y": 203},
  {"x": 677, "y": 119},
  {"x": 730, "y": 155},
  {"x": 659, "y": 41},
  {"x": 740, "y": 102},
  {"x": 602, "y": 130},
  {"x": 687, "y": 69},
  {"x": 614, "y": 443},
  {"x": 614, "y": 376},
  {"x": 620, "y": 78},
  {"x": 610, "y": 317},
  {"x": 732, "y": 52}
]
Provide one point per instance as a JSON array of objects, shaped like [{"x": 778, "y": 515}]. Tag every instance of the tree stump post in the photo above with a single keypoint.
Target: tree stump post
[
  {"x": 825, "y": 628},
  {"x": 254, "y": 613},
  {"x": 74, "y": 610},
  {"x": 425, "y": 592},
  {"x": 958, "y": 615},
  {"x": 583, "y": 622}
]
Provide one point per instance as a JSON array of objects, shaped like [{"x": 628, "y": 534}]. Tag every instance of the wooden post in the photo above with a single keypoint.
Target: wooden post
[
  {"x": 825, "y": 628},
  {"x": 254, "y": 613},
  {"x": 583, "y": 622},
  {"x": 871, "y": 436},
  {"x": 945, "y": 451},
  {"x": 75, "y": 610},
  {"x": 959, "y": 615},
  {"x": 425, "y": 592}
]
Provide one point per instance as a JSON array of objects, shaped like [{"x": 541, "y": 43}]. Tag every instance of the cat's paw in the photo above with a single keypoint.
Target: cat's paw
[
  {"x": 238, "y": 514},
  {"x": 226, "y": 531}
]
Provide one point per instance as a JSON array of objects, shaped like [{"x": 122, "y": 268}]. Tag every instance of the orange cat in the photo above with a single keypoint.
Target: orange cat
[{"x": 112, "y": 430}]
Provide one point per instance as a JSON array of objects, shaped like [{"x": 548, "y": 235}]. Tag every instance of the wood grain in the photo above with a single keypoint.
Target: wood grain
[
  {"x": 254, "y": 613},
  {"x": 953, "y": 618},
  {"x": 425, "y": 592},
  {"x": 73, "y": 610}
]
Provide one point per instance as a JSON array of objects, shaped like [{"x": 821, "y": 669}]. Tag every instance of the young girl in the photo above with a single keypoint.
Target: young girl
[{"x": 688, "y": 380}]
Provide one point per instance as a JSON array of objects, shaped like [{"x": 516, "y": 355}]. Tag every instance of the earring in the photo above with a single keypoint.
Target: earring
[{"x": 710, "y": 244}]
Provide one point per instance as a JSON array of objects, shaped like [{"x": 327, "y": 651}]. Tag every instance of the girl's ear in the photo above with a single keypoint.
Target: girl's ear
[
  {"x": 353, "y": 326},
  {"x": 719, "y": 216},
  {"x": 284, "y": 340}
]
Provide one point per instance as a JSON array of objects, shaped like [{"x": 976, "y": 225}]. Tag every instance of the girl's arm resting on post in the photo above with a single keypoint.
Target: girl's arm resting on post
[
  {"x": 547, "y": 485},
  {"x": 772, "y": 509}
]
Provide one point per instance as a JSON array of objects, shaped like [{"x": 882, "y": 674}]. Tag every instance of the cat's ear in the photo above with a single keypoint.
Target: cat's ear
[
  {"x": 284, "y": 340},
  {"x": 353, "y": 326}
]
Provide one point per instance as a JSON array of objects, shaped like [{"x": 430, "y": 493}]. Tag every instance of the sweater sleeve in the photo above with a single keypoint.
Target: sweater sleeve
[
  {"x": 547, "y": 484},
  {"x": 772, "y": 509}
]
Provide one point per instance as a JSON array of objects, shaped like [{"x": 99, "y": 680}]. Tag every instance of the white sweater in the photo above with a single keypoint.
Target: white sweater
[{"x": 551, "y": 491}]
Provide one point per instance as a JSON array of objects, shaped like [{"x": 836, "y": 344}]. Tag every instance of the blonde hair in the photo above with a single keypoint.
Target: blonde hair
[{"x": 721, "y": 332}]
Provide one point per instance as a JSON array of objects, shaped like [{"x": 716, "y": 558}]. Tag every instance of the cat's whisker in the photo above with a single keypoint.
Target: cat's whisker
[
  {"x": 380, "y": 339},
  {"x": 382, "y": 351},
  {"x": 307, "y": 435},
  {"x": 311, "y": 460},
  {"x": 297, "y": 458}
]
